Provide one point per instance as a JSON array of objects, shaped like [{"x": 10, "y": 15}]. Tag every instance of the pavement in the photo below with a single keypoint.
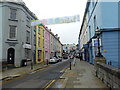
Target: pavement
[
  {"x": 15, "y": 72},
  {"x": 81, "y": 75}
]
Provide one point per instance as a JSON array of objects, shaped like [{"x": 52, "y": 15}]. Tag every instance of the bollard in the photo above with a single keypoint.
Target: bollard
[{"x": 70, "y": 65}]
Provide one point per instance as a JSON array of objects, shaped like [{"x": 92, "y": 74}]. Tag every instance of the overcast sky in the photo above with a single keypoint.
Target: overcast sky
[{"x": 58, "y": 8}]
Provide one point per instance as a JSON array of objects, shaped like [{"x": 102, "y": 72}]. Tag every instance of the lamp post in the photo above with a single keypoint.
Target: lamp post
[{"x": 98, "y": 32}]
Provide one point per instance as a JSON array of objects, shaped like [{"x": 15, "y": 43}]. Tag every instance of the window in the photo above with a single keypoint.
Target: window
[
  {"x": 39, "y": 56},
  {"x": 94, "y": 23},
  {"x": 39, "y": 42},
  {"x": 89, "y": 32},
  {"x": 28, "y": 37},
  {"x": 38, "y": 30},
  {"x": 12, "y": 33},
  {"x": 13, "y": 14},
  {"x": 93, "y": 3},
  {"x": 28, "y": 22},
  {"x": 34, "y": 28}
]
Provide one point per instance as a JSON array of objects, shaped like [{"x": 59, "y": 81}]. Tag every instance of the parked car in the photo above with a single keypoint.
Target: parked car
[
  {"x": 71, "y": 57},
  {"x": 65, "y": 57},
  {"x": 57, "y": 58},
  {"x": 53, "y": 60},
  {"x": 60, "y": 58},
  {"x": 77, "y": 56}
]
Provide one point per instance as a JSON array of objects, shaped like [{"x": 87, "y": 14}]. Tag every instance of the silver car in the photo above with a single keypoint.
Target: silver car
[{"x": 53, "y": 60}]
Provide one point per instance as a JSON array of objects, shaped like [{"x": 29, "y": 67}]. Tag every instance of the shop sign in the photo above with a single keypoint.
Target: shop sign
[
  {"x": 85, "y": 46},
  {"x": 27, "y": 46},
  {"x": 95, "y": 42}
]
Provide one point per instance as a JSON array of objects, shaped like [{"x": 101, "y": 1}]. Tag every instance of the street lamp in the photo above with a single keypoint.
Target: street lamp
[{"x": 98, "y": 32}]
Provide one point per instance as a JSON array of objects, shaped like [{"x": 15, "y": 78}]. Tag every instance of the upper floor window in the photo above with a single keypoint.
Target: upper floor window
[
  {"x": 89, "y": 31},
  {"x": 38, "y": 30},
  {"x": 34, "y": 28},
  {"x": 28, "y": 21},
  {"x": 94, "y": 23},
  {"x": 12, "y": 33},
  {"x": 28, "y": 37},
  {"x": 39, "y": 42},
  {"x": 13, "y": 14},
  {"x": 93, "y": 3}
]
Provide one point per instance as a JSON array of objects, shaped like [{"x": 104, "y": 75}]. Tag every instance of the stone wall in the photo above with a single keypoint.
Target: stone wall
[{"x": 108, "y": 74}]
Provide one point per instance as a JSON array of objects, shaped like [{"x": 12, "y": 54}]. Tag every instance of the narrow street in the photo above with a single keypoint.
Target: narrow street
[
  {"x": 39, "y": 79},
  {"x": 59, "y": 44}
]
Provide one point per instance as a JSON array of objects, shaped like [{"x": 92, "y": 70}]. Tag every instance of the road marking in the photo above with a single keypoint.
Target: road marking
[
  {"x": 39, "y": 69},
  {"x": 49, "y": 84},
  {"x": 64, "y": 70},
  {"x": 24, "y": 75}
]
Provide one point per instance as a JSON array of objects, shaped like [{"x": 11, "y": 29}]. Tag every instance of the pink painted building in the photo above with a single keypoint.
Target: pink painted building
[{"x": 46, "y": 44}]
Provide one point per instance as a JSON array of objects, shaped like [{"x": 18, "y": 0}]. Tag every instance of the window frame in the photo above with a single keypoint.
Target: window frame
[
  {"x": 28, "y": 42},
  {"x": 11, "y": 14},
  {"x": 10, "y": 32},
  {"x": 38, "y": 41}
]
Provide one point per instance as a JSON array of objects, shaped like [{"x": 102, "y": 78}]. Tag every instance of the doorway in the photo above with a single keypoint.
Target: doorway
[{"x": 10, "y": 56}]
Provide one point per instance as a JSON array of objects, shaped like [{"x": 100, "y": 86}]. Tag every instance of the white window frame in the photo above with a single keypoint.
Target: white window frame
[
  {"x": 15, "y": 33},
  {"x": 10, "y": 14}
]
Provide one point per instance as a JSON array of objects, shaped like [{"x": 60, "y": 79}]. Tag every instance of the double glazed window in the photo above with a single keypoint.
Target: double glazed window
[
  {"x": 12, "y": 33},
  {"x": 13, "y": 14}
]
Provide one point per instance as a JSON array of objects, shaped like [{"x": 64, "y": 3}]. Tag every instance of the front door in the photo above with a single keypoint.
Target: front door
[{"x": 10, "y": 56}]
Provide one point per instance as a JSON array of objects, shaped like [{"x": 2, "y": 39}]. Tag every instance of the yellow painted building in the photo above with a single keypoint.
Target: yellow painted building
[{"x": 39, "y": 44}]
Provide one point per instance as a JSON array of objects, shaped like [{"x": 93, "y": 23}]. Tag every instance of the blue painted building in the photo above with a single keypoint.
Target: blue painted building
[{"x": 105, "y": 17}]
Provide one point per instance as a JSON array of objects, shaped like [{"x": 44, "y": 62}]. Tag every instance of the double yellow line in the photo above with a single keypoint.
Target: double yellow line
[
  {"x": 64, "y": 70},
  {"x": 48, "y": 85}
]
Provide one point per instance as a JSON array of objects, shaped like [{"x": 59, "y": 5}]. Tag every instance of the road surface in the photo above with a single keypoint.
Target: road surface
[{"x": 40, "y": 78}]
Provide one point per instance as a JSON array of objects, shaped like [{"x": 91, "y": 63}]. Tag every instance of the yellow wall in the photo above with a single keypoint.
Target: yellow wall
[
  {"x": 42, "y": 42},
  {"x": 39, "y": 46}
]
